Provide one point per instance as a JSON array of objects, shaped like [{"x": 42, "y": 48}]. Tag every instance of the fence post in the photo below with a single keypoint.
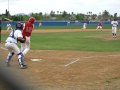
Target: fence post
[{"x": 0, "y": 28}]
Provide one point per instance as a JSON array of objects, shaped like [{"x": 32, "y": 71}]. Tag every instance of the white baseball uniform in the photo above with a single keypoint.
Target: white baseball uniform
[
  {"x": 114, "y": 27},
  {"x": 84, "y": 25},
  {"x": 9, "y": 27},
  {"x": 11, "y": 45}
]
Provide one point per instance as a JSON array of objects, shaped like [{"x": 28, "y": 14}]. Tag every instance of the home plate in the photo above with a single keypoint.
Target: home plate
[{"x": 36, "y": 60}]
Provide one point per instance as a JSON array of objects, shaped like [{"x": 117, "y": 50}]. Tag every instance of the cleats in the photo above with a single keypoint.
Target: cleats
[
  {"x": 23, "y": 66},
  {"x": 7, "y": 64}
]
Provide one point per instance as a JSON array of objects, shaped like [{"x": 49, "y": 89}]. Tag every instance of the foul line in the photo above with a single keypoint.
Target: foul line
[
  {"x": 71, "y": 63},
  {"x": 87, "y": 58}
]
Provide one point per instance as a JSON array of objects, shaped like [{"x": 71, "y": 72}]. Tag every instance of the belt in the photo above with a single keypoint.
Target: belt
[{"x": 10, "y": 42}]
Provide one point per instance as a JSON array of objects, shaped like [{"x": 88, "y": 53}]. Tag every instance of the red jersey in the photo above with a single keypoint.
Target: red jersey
[
  {"x": 27, "y": 29},
  {"x": 100, "y": 24}
]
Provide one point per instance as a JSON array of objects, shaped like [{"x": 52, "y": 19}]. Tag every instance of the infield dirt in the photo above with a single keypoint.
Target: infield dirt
[{"x": 70, "y": 70}]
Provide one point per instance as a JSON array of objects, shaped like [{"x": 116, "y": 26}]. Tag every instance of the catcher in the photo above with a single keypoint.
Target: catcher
[{"x": 11, "y": 45}]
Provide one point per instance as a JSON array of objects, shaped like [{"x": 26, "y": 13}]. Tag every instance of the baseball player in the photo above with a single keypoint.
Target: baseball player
[
  {"x": 114, "y": 24},
  {"x": 11, "y": 45},
  {"x": 27, "y": 31},
  {"x": 84, "y": 26},
  {"x": 99, "y": 26},
  {"x": 9, "y": 27}
]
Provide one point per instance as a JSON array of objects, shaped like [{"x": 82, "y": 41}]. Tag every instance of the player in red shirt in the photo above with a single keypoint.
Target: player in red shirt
[{"x": 27, "y": 31}]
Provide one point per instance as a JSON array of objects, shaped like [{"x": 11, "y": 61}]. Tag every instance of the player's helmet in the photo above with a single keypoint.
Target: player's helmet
[
  {"x": 19, "y": 26},
  {"x": 31, "y": 19}
]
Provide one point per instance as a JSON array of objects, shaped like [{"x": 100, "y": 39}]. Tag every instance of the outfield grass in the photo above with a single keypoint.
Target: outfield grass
[
  {"x": 65, "y": 27},
  {"x": 70, "y": 27},
  {"x": 81, "y": 41}
]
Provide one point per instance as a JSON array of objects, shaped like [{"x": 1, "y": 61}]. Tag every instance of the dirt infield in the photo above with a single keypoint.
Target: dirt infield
[
  {"x": 70, "y": 70},
  {"x": 64, "y": 30}
]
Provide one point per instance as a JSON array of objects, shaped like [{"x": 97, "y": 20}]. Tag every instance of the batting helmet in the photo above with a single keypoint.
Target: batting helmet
[
  {"x": 31, "y": 19},
  {"x": 19, "y": 26}
]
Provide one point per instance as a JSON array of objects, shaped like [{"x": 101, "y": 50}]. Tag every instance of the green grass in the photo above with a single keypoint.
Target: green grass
[
  {"x": 81, "y": 41},
  {"x": 65, "y": 27},
  {"x": 69, "y": 27}
]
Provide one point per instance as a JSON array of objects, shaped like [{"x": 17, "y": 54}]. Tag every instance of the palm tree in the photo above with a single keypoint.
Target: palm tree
[{"x": 57, "y": 12}]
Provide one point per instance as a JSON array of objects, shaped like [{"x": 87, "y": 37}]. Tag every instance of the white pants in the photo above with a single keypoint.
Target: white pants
[
  {"x": 114, "y": 30},
  {"x": 13, "y": 48},
  {"x": 25, "y": 47},
  {"x": 9, "y": 28},
  {"x": 84, "y": 27},
  {"x": 99, "y": 27}
]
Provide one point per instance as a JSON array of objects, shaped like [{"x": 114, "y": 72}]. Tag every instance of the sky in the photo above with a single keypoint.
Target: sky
[{"x": 45, "y": 6}]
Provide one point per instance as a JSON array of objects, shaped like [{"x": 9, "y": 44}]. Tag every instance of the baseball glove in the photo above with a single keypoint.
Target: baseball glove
[{"x": 20, "y": 39}]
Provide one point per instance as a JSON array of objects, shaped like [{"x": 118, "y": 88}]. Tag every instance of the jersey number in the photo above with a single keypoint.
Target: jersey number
[{"x": 29, "y": 29}]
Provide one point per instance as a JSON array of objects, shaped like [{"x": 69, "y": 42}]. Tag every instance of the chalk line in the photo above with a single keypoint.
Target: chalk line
[
  {"x": 3, "y": 48},
  {"x": 71, "y": 63},
  {"x": 87, "y": 58}
]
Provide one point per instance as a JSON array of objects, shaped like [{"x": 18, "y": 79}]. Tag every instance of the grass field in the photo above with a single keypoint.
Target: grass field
[
  {"x": 70, "y": 60},
  {"x": 71, "y": 27},
  {"x": 64, "y": 27},
  {"x": 81, "y": 41}
]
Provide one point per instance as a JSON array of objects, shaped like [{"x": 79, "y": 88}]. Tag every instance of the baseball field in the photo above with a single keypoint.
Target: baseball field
[{"x": 69, "y": 59}]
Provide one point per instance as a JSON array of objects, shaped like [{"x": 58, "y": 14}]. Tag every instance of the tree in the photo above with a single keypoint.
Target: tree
[
  {"x": 7, "y": 13},
  {"x": 64, "y": 14},
  {"x": 80, "y": 17},
  {"x": 58, "y": 12},
  {"x": 52, "y": 13},
  {"x": 115, "y": 15},
  {"x": 37, "y": 16},
  {"x": 94, "y": 16},
  {"x": 106, "y": 15}
]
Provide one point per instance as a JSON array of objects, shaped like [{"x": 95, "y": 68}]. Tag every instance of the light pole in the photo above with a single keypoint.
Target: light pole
[
  {"x": 0, "y": 28},
  {"x": 8, "y": 8}
]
